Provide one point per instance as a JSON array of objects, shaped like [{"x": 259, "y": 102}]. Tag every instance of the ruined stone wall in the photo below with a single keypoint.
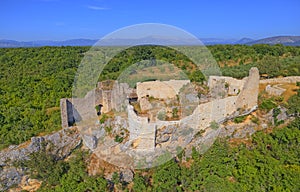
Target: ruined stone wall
[
  {"x": 176, "y": 85},
  {"x": 119, "y": 96},
  {"x": 222, "y": 86},
  {"x": 142, "y": 133},
  {"x": 74, "y": 110},
  {"x": 247, "y": 99},
  {"x": 216, "y": 110},
  {"x": 84, "y": 108},
  {"x": 114, "y": 97},
  {"x": 291, "y": 79},
  {"x": 66, "y": 112},
  {"x": 160, "y": 89},
  {"x": 274, "y": 90}
]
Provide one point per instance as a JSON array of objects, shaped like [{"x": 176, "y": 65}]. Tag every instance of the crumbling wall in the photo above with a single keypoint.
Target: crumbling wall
[
  {"x": 160, "y": 89},
  {"x": 291, "y": 79},
  {"x": 247, "y": 99},
  {"x": 116, "y": 97},
  {"x": 109, "y": 96},
  {"x": 66, "y": 112},
  {"x": 142, "y": 133},
  {"x": 112, "y": 96},
  {"x": 217, "y": 110},
  {"x": 222, "y": 86},
  {"x": 274, "y": 90}
]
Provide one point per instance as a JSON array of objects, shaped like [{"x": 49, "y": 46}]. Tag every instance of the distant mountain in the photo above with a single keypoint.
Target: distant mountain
[
  {"x": 244, "y": 41},
  {"x": 160, "y": 40},
  {"x": 12, "y": 43},
  {"x": 285, "y": 40},
  {"x": 71, "y": 42},
  {"x": 215, "y": 41},
  {"x": 115, "y": 42}
]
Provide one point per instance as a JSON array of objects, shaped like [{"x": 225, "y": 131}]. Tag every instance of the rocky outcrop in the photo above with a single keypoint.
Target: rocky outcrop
[
  {"x": 60, "y": 143},
  {"x": 277, "y": 115},
  {"x": 126, "y": 175},
  {"x": 10, "y": 176},
  {"x": 275, "y": 90},
  {"x": 90, "y": 141},
  {"x": 240, "y": 130}
]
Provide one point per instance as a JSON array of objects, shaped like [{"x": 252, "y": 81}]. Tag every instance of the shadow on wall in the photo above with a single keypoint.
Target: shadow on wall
[{"x": 69, "y": 114}]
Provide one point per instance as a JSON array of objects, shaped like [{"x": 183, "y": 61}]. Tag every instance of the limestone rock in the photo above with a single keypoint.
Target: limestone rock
[
  {"x": 60, "y": 143},
  {"x": 282, "y": 115},
  {"x": 126, "y": 175},
  {"x": 169, "y": 129},
  {"x": 245, "y": 131},
  {"x": 274, "y": 90},
  {"x": 10, "y": 176},
  {"x": 162, "y": 139},
  {"x": 90, "y": 141},
  {"x": 240, "y": 130}
]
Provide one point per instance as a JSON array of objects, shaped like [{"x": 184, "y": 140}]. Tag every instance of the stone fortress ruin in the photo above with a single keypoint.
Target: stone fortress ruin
[{"x": 155, "y": 118}]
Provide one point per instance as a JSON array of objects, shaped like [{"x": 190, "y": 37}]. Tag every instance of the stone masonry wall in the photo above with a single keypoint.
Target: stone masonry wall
[
  {"x": 160, "y": 89},
  {"x": 247, "y": 99},
  {"x": 291, "y": 79},
  {"x": 217, "y": 86},
  {"x": 67, "y": 117}
]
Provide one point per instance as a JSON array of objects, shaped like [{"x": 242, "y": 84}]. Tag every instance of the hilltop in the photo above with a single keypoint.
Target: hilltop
[{"x": 285, "y": 40}]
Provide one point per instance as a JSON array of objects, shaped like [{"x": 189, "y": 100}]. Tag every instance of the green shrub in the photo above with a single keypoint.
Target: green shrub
[
  {"x": 103, "y": 118},
  {"x": 108, "y": 129},
  {"x": 119, "y": 139},
  {"x": 239, "y": 119},
  {"x": 255, "y": 120},
  {"x": 268, "y": 104},
  {"x": 214, "y": 125},
  {"x": 175, "y": 113},
  {"x": 161, "y": 115}
]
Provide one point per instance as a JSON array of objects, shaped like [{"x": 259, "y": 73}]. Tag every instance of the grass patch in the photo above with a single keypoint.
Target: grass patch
[{"x": 239, "y": 119}]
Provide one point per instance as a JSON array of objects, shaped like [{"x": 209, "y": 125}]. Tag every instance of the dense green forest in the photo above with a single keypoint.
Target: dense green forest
[
  {"x": 153, "y": 53},
  {"x": 32, "y": 80},
  {"x": 272, "y": 61}
]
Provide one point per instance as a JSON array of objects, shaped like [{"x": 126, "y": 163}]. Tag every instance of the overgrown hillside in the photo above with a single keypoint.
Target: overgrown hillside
[{"x": 32, "y": 80}]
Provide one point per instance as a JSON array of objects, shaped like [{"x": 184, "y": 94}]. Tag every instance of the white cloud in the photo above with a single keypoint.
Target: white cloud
[{"x": 97, "y": 8}]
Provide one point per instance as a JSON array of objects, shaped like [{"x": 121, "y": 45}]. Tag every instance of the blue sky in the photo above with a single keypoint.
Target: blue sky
[{"x": 27, "y": 20}]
